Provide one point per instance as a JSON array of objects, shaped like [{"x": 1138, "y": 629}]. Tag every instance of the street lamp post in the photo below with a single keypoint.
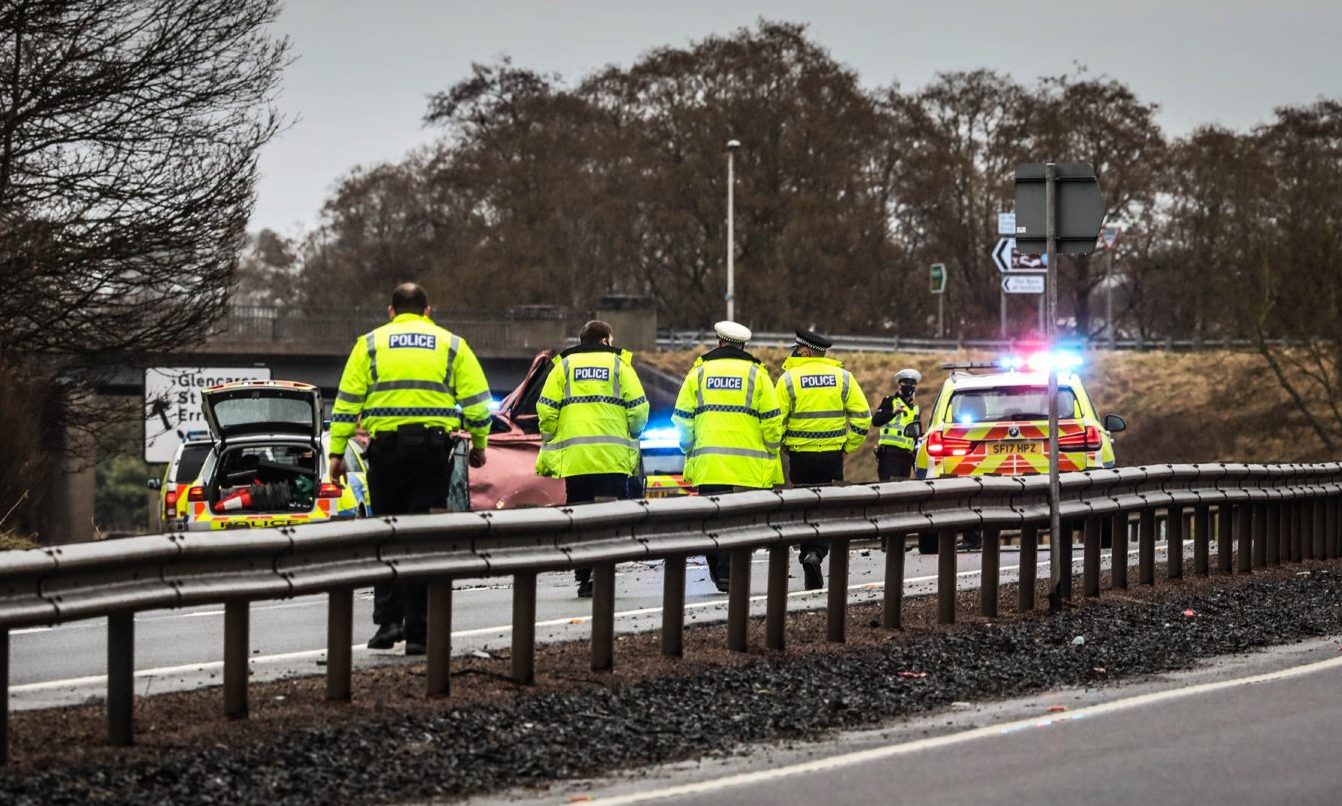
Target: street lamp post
[{"x": 732, "y": 146}]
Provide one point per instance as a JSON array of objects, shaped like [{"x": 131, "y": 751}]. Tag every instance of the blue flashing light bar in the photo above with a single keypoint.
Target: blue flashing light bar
[{"x": 662, "y": 436}]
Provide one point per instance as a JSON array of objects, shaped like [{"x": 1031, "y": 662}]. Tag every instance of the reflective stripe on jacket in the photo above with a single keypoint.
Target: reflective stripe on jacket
[
  {"x": 892, "y": 433},
  {"x": 823, "y": 406},
  {"x": 411, "y": 371},
  {"x": 729, "y": 421},
  {"x": 591, "y": 411}
]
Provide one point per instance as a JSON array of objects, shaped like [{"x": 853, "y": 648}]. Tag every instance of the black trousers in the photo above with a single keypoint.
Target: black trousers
[
  {"x": 893, "y": 464},
  {"x": 409, "y": 472},
  {"x": 586, "y": 489},
  {"x": 719, "y": 562},
  {"x": 810, "y": 469}
]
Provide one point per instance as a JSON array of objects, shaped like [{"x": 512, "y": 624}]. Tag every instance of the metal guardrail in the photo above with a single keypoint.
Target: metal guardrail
[
  {"x": 686, "y": 339},
  {"x": 1263, "y": 515}
]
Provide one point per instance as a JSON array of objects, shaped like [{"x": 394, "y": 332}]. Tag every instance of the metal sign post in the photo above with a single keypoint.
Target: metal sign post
[
  {"x": 1060, "y": 547},
  {"x": 1059, "y": 207}
]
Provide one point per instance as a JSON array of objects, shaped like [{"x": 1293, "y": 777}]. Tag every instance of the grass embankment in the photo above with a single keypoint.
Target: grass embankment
[{"x": 1212, "y": 406}]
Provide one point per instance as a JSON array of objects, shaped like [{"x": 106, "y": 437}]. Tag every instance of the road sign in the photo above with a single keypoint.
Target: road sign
[
  {"x": 1078, "y": 208},
  {"x": 1023, "y": 283},
  {"x": 938, "y": 278},
  {"x": 1006, "y": 223},
  {"x": 1009, "y": 259},
  {"x": 172, "y": 403},
  {"x": 1109, "y": 236}
]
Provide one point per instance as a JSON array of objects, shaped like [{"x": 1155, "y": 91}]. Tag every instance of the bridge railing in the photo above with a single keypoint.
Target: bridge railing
[
  {"x": 687, "y": 339},
  {"x": 337, "y": 328},
  {"x": 1256, "y": 515}
]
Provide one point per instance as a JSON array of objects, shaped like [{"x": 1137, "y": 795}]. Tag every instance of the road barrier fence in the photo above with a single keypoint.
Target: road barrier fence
[{"x": 1258, "y": 515}]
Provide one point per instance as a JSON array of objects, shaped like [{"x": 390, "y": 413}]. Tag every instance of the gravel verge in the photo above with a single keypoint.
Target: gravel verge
[{"x": 393, "y": 745}]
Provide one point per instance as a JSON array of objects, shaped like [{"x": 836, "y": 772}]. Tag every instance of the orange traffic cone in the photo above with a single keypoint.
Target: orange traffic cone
[{"x": 242, "y": 499}]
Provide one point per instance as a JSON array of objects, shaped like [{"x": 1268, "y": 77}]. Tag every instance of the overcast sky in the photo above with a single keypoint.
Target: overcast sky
[{"x": 364, "y": 68}]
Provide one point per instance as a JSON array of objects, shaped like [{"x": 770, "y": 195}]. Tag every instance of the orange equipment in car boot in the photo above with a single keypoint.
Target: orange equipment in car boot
[{"x": 242, "y": 499}]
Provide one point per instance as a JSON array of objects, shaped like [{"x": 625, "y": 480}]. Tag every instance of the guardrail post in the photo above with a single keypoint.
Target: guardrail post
[
  {"x": 339, "y": 643},
  {"x": 1028, "y": 570},
  {"x": 775, "y": 616},
  {"x": 237, "y": 643},
  {"x": 524, "y": 627},
  {"x": 1174, "y": 543},
  {"x": 603, "y": 617},
  {"x": 1118, "y": 562},
  {"x": 121, "y": 679},
  {"x": 836, "y": 611},
  {"x": 1293, "y": 523},
  {"x": 1330, "y": 541},
  {"x": 673, "y": 606},
  {"x": 1260, "y": 535},
  {"x": 1146, "y": 547},
  {"x": 1273, "y": 533},
  {"x": 1319, "y": 529},
  {"x": 1091, "y": 560},
  {"x": 1225, "y": 544},
  {"x": 738, "y": 600},
  {"x": 992, "y": 571},
  {"x": 1299, "y": 545},
  {"x": 1244, "y": 531},
  {"x": 946, "y": 560},
  {"x": 1201, "y": 539},
  {"x": 438, "y": 669},
  {"x": 892, "y": 601},
  {"x": 4, "y": 696}
]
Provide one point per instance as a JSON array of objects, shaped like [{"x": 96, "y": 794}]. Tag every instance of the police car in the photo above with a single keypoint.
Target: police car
[
  {"x": 266, "y": 465},
  {"x": 996, "y": 424},
  {"x": 662, "y": 464},
  {"x": 181, "y": 472}
]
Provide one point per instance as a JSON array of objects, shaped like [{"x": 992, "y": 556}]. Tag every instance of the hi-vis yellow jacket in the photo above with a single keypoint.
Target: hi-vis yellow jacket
[
  {"x": 729, "y": 421},
  {"x": 896, "y": 416},
  {"x": 411, "y": 371},
  {"x": 823, "y": 406},
  {"x": 591, "y": 411}
]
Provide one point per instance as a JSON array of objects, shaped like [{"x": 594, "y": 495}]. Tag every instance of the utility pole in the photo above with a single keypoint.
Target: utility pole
[{"x": 732, "y": 146}]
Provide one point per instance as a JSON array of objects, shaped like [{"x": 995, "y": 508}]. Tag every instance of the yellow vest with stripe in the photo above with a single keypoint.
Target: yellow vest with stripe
[
  {"x": 823, "y": 406},
  {"x": 410, "y": 370},
  {"x": 729, "y": 422},
  {"x": 591, "y": 412},
  {"x": 892, "y": 433}
]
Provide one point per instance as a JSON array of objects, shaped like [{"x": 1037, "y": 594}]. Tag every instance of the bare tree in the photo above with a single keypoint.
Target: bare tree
[{"x": 129, "y": 132}]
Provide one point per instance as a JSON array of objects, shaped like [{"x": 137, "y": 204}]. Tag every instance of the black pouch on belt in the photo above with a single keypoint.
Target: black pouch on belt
[{"x": 412, "y": 439}]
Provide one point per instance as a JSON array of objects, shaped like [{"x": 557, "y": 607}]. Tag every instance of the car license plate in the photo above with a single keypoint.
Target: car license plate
[{"x": 1016, "y": 447}]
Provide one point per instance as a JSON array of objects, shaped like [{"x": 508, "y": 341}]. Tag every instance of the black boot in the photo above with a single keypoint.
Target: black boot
[
  {"x": 386, "y": 637},
  {"x": 810, "y": 566}
]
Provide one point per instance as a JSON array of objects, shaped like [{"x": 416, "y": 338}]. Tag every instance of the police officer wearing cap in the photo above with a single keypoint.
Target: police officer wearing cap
[
  {"x": 412, "y": 384},
  {"x": 825, "y": 416},
  {"x": 894, "y": 450},
  {"x": 729, "y": 422}
]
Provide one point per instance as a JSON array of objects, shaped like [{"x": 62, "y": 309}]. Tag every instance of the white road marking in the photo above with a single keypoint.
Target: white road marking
[{"x": 906, "y": 748}]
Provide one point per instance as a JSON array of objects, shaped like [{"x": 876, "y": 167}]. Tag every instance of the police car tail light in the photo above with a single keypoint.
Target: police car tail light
[
  {"x": 1089, "y": 440},
  {"x": 329, "y": 489},
  {"x": 940, "y": 445},
  {"x": 196, "y": 494},
  {"x": 170, "y": 504}
]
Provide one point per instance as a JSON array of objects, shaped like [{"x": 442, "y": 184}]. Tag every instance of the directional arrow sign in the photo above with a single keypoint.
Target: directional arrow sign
[
  {"x": 1008, "y": 259},
  {"x": 1023, "y": 283}
]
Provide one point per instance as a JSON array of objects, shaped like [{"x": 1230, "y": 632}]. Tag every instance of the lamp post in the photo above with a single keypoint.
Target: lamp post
[{"x": 732, "y": 146}]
